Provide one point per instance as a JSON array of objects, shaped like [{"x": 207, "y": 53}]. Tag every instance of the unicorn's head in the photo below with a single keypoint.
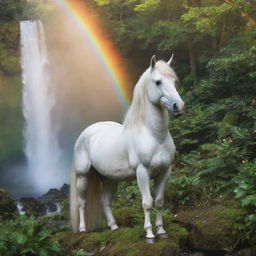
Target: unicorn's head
[{"x": 161, "y": 87}]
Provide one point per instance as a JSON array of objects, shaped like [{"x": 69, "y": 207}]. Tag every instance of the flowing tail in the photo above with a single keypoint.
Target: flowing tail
[
  {"x": 94, "y": 211},
  {"x": 74, "y": 202},
  {"x": 93, "y": 208}
]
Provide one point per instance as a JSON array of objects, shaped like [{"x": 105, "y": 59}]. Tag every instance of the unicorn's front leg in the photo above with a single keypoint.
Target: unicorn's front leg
[
  {"x": 160, "y": 183},
  {"x": 143, "y": 180}
]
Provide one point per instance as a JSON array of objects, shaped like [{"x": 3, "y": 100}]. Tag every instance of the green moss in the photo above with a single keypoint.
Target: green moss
[
  {"x": 176, "y": 231},
  {"x": 213, "y": 228},
  {"x": 128, "y": 241},
  {"x": 128, "y": 216},
  {"x": 231, "y": 213},
  {"x": 10, "y": 65},
  {"x": 231, "y": 118}
]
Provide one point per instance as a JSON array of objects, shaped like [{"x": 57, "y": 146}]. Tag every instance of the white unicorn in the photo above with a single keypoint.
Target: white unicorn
[{"x": 142, "y": 147}]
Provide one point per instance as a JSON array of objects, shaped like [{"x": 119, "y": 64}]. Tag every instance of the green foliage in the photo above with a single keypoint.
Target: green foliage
[
  {"x": 80, "y": 252},
  {"x": 128, "y": 194},
  {"x": 11, "y": 9},
  {"x": 207, "y": 19},
  {"x": 245, "y": 191},
  {"x": 25, "y": 236}
]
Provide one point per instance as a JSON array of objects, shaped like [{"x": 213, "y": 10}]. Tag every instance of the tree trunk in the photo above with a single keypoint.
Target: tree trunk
[
  {"x": 214, "y": 44},
  {"x": 222, "y": 33},
  {"x": 192, "y": 61}
]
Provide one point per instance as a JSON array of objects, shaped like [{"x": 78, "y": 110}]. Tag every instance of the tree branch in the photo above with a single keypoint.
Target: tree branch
[{"x": 244, "y": 14}]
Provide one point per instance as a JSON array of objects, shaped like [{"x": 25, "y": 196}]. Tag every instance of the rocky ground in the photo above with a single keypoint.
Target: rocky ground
[{"x": 209, "y": 231}]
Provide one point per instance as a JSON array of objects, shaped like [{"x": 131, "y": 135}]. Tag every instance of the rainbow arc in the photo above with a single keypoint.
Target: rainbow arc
[{"x": 90, "y": 27}]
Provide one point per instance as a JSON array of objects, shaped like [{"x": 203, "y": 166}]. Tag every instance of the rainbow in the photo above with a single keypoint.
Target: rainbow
[{"x": 89, "y": 25}]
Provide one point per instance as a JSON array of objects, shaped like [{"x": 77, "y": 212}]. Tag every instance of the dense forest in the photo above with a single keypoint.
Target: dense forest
[
  {"x": 10, "y": 82},
  {"x": 214, "y": 42}
]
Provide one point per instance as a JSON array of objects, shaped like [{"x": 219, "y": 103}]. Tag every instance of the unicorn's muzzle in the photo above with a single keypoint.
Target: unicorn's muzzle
[{"x": 172, "y": 106}]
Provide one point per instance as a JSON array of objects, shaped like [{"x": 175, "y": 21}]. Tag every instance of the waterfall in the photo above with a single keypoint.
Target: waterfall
[
  {"x": 19, "y": 206},
  {"x": 41, "y": 138},
  {"x": 53, "y": 208}
]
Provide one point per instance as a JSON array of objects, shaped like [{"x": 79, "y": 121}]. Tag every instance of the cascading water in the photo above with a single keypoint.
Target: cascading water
[
  {"x": 19, "y": 206},
  {"x": 41, "y": 138}
]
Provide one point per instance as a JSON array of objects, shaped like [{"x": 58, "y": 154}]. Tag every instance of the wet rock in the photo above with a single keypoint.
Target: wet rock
[
  {"x": 7, "y": 206},
  {"x": 64, "y": 190},
  {"x": 32, "y": 206},
  {"x": 213, "y": 228},
  {"x": 168, "y": 251},
  {"x": 55, "y": 195},
  {"x": 104, "y": 251}
]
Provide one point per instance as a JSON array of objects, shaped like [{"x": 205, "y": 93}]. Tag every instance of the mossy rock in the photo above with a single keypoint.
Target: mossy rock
[
  {"x": 214, "y": 228},
  {"x": 128, "y": 241},
  {"x": 7, "y": 206}
]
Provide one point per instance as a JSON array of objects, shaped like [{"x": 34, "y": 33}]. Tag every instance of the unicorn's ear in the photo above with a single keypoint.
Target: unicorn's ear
[
  {"x": 169, "y": 62},
  {"x": 153, "y": 62}
]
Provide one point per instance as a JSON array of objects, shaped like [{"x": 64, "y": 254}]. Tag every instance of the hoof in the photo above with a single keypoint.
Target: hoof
[
  {"x": 82, "y": 229},
  {"x": 150, "y": 240},
  {"x": 114, "y": 227},
  {"x": 163, "y": 235}
]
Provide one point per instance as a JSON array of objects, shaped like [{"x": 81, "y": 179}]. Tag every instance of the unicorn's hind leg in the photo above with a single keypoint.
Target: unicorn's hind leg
[
  {"x": 109, "y": 188},
  {"x": 82, "y": 166}
]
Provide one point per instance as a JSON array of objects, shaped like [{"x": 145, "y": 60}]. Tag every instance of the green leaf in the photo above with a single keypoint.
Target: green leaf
[
  {"x": 42, "y": 252},
  {"x": 21, "y": 239},
  {"x": 249, "y": 200},
  {"x": 43, "y": 235}
]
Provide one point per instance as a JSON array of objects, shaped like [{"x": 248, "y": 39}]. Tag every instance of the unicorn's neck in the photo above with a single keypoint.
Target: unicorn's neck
[
  {"x": 156, "y": 120},
  {"x": 144, "y": 113}
]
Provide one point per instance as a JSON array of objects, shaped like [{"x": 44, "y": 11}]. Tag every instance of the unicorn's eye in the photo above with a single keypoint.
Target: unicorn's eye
[{"x": 158, "y": 82}]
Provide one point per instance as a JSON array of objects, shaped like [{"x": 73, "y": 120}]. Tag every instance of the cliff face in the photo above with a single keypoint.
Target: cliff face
[{"x": 10, "y": 82}]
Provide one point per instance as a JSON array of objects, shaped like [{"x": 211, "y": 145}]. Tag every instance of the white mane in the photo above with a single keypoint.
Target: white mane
[{"x": 136, "y": 112}]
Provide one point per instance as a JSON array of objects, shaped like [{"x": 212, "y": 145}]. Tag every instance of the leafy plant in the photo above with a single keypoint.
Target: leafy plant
[
  {"x": 80, "y": 252},
  {"x": 245, "y": 192},
  {"x": 26, "y": 236}
]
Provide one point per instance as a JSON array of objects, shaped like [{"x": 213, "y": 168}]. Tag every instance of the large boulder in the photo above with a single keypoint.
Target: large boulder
[
  {"x": 7, "y": 206},
  {"x": 64, "y": 191},
  {"x": 213, "y": 228},
  {"x": 125, "y": 241}
]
